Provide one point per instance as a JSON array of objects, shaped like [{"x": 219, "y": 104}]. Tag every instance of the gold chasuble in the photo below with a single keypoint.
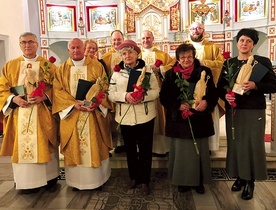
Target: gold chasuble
[
  {"x": 148, "y": 57},
  {"x": 111, "y": 58},
  {"x": 159, "y": 127},
  {"x": 30, "y": 134},
  {"x": 85, "y": 137},
  {"x": 116, "y": 58}
]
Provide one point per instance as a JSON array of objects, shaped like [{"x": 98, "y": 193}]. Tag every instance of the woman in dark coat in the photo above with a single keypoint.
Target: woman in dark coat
[
  {"x": 189, "y": 128},
  {"x": 245, "y": 113}
]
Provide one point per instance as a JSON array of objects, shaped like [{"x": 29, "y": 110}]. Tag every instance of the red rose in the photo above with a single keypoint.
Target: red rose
[
  {"x": 186, "y": 113},
  {"x": 39, "y": 91},
  {"x": 158, "y": 63},
  {"x": 176, "y": 69},
  {"x": 52, "y": 59},
  {"x": 139, "y": 92},
  {"x": 116, "y": 68}
]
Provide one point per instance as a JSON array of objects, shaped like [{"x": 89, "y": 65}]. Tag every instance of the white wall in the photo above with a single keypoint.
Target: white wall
[{"x": 12, "y": 25}]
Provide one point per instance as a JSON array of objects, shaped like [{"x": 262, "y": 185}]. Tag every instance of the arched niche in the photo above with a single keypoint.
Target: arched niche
[{"x": 59, "y": 48}]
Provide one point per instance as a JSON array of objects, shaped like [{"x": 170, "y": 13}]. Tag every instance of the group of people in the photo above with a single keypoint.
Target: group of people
[{"x": 160, "y": 104}]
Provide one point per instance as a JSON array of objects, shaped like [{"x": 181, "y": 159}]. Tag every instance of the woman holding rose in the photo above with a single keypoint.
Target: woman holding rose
[
  {"x": 245, "y": 112},
  {"x": 135, "y": 111},
  {"x": 189, "y": 128}
]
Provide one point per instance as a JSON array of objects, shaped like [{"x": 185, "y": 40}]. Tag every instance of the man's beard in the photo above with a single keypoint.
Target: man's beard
[{"x": 197, "y": 39}]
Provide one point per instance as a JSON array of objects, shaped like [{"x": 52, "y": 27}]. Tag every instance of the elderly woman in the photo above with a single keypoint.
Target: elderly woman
[
  {"x": 91, "y": 48},
  {"x": 189, "y": 121},
  {"x": 135, "y": 111}
]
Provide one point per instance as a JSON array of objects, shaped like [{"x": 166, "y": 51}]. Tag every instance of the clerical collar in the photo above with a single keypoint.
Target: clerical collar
[
  {"x": 148, "y": 50},
  {"x": 197, "y": 44},
  {"x": 30, "y": 59},
  {"x": 79, "y": 63}
]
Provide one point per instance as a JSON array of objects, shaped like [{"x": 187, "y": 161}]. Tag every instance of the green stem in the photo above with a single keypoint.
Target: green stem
[
  {"x": 29, "y": 120},
  {"x": 195, "y": 143},
  {"x": 232, "y": 123},
  {"x": 84, "y": 123},
  {"x": 118, "y": 126}
]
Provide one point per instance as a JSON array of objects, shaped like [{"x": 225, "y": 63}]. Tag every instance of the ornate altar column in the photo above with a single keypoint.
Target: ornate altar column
[
  {"x": 166, "y": 26},
  {"x": 122, "y": 16},
  {"x": 137, "y": 26}
]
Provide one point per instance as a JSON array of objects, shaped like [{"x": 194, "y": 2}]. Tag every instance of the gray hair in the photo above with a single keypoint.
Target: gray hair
[
  {"x": 128, "y": 49},
  {"x": 28, "y": 34}
]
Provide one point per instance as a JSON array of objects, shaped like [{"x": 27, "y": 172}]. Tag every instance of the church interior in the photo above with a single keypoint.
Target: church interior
[{"x": 55, "y": 22}]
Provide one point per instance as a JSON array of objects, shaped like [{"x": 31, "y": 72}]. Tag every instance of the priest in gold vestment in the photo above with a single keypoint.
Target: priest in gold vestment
[
  {"x": 110, "y": 59},
  {"x": 150, "y": 54},
  {"x": 113, "y": 57},
  {"x": 30, "y": 130},
  {"x": 85, "y": 135},
  {"x": 209, "y": 55}
]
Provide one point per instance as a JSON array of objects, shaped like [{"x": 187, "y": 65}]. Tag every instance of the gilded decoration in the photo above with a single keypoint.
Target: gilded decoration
[
  {"x": 175, "y": 17},
  {"x": 207, "y": 12},
  {"x": 140, "y": 5},
  {"x": 130, "y": 20},
  {"x": 153, "y": 22},
  {"x": 136, "y": 10}
]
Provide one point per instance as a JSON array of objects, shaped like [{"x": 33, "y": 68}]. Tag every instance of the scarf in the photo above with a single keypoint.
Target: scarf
[{"x": 186, "y": 73}]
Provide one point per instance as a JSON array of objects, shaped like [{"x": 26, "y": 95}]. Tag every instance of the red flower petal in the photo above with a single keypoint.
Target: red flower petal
[
  {"x": 158, "y": 63},
  {"x": 116, "y": 68},
  {"x": 52, "y": 59},
  {"x": 176, "y": 69}
]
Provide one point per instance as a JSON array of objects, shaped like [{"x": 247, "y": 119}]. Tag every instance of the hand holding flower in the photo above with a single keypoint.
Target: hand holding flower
[
  {"x": 185, "y": 108},
  {"x": 134, "y": 97},
  {"x": 156, "y": 66},
  {"x": 230, "y": 97},
  {"x": 37, "y": 96},
  {"x": 79, "y": 106}
]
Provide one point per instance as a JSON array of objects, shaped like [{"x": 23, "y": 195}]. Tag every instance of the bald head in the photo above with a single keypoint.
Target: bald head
[
  {"x": 147, "y": 39},
  {"x": 76, "y": 49}
]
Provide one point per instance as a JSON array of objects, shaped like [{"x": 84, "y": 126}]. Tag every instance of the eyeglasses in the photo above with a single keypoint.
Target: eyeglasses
[
  {"x": 196, "y": 29},
  {"x": 24, "y": 43},
  {"x": 189, "y": 57}
]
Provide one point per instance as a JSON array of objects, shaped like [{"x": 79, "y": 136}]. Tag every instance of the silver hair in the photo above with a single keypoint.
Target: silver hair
[
  {"x": 28, "y": 34},
  {"x": 127, "y": 49}
]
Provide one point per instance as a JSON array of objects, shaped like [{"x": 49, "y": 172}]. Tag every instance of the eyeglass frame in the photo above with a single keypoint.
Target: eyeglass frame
[
  {"x": 30, "y": 42},
  {"x": 189, "y": 57},
  {"x": 196, "y": 29}
]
